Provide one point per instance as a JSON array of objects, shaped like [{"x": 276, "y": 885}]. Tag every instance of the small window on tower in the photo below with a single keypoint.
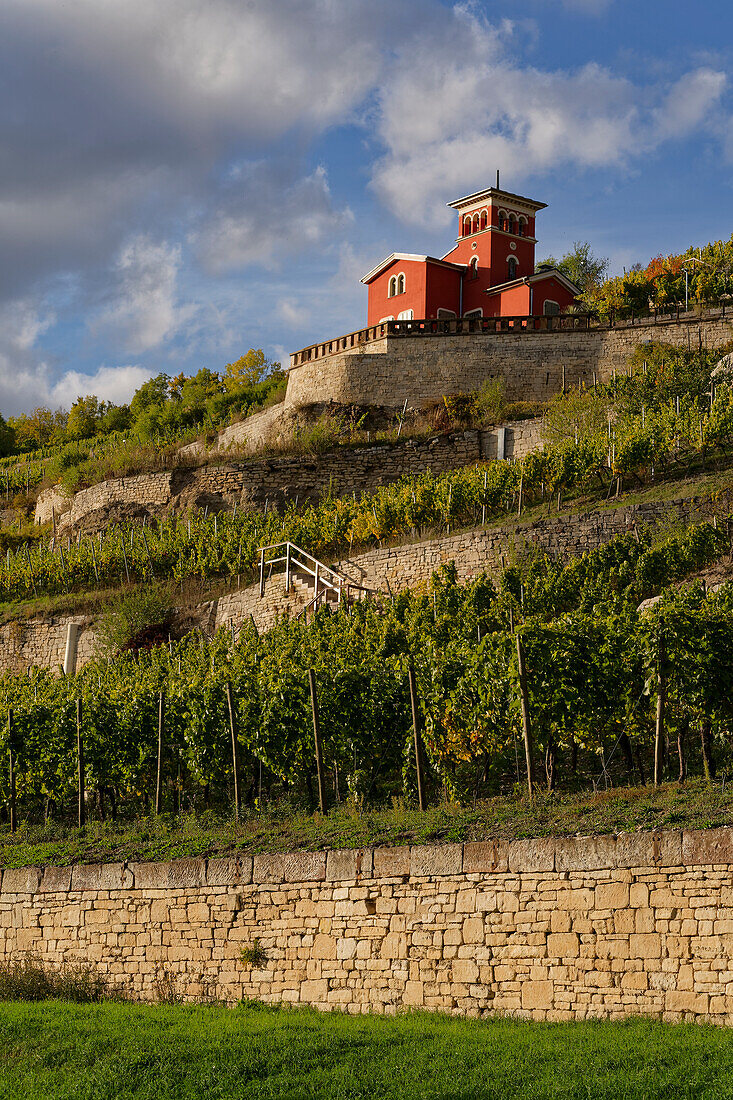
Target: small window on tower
[
  {"x": 522, "y": 227},
  {"x": 400, "y": 284},
  {"x": 512, "y": 224},
  {"x": 512, "y": 267},
  {"x": 392, "y": 287},
  {"x": 475, "y": 223},
  {"x": 466, "y": 227},
  {"x": 484, "y": 219},
  {"x": 473, "y": 268}
]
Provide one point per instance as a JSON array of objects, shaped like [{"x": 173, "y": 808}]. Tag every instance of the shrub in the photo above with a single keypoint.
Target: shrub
[
  {"x": 29, "y": 978},
  {"x": 136, "y": 620}
]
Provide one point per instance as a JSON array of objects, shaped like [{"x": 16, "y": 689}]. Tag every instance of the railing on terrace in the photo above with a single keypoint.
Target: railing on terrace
[
  {"x": 328, "y": 584},
  {"x": 459, "y": 326}
]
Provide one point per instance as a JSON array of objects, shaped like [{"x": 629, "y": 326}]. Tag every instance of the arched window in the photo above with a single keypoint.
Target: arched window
[
  {"x": 392, "y": 287},
  {"x": 512, "y": 267},
  {"x": 502, "y": 219},
  {"x": 484, "y": 219},
  {"x": 466, "y": 226},
  {"x": 473, "y": 268},
  {"x": 550, "y": 308},
  {"x": 512, "y": 224},
  {"x": 522, "y": 226},
  {"x": 475, "y": 223},
  {"x": 400, "y": 284}
]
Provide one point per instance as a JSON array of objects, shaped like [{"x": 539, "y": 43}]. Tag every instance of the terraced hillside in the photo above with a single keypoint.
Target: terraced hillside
[{"x": 198, "y": 639}]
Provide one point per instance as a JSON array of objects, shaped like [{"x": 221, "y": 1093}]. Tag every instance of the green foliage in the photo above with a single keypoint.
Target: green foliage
[
  {"x": 254, "y": 955},
  {"x": 134, "y": 619},
  {"x": 28, "y": 977}
]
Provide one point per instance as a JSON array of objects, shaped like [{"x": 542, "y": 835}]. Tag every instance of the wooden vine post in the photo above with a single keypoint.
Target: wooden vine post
[
  {"x": 419, "y": 762},
  {"x": 661, "y": 702},
  {"x": 11, "y": 772},
  {"x": 80, "y": 766},
  {"x": 317, "y": 740},
  {"x": 235, "y": 748},
  {"x": 159, "y": 773},
  {"x": 526, "y": 719}
]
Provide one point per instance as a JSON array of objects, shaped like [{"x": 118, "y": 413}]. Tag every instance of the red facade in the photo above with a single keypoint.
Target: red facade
[{"x": 489, "y": 272}]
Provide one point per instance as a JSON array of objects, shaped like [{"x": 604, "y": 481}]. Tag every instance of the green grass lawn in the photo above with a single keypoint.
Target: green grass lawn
[{"x": 118, "y": 1051}]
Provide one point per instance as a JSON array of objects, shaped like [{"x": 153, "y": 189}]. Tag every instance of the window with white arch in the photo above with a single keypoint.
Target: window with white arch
[
  {"x": 446, "y": 314},
  {"x": 473, "y": 268},
  {"x": 473, "y": 313},
  {"x": 501, "y": 219},
  {"x": 550, "y": 308},
  {"x": 406, "y": 315},
  {"x": 522, "y": 226},
  {"x": 511, "y": 266},
  {"x": 396, "y": 285}
]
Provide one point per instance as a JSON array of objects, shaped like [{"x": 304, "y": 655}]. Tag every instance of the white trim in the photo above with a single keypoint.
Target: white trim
[
  {"x": 474, "y": 312},
  {"x": 406, "y": 315},
  {"x": 550, "y": 302},
  {"x": 447, "y": 314},
  {"x": 393, "y": 256},
  {"x": 383, "y": 319},
  {"x": 396, "y": 280}
]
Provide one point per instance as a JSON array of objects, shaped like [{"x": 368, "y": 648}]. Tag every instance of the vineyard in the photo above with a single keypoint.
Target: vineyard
[
  {"x": 419, "y": 696},
  {"x": 593, "y": 668}
]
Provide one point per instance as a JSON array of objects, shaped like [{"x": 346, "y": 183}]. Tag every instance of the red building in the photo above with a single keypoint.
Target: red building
[{"x": 489, "y": 273}]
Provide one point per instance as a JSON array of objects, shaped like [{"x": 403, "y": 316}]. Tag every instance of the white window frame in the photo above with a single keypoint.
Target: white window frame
[
  {"x": 446, "y": 314},
  {"x": 406, "y": 315},
  {"x": 382, "y": 320},
  {"x": 512, "y": 259},
  {"x": 474, "y": 313},
  {"x": 550, "y": 302}
]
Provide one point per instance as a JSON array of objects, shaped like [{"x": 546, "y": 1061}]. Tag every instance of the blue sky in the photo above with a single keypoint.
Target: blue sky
[{"x": 183, "y": 180}]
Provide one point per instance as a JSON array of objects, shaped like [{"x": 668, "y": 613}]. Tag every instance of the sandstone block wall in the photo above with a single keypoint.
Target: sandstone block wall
[
  {"x": 611, "y": 926},
  {"x": 42, "y": 641},
  {"x": 417, "y": 369},
  {"x": 276, "y": 480}
]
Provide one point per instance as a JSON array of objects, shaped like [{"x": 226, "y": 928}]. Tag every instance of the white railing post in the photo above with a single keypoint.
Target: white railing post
[
  {"x": 315, "y": 590},
  {"x": 287, "y": 568},
  {"x": 262, "y": 573}
]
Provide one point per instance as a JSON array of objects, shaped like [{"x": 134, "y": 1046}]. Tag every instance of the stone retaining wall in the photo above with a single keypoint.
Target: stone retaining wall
[
  {"x": 276, "y": 480},
  {"x": 533, "y": 365},
  {"x": 634, "y": 924},
  {"x": 392, "y": 568}
]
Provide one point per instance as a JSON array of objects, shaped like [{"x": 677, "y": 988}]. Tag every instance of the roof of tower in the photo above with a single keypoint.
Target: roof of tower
[{"x": 495, "y": 193}]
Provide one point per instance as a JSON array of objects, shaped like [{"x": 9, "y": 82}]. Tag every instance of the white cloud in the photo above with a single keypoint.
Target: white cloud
[
  {"x": 457, "y": 108},
  {"x": 266, "y": 219},
  {"x": 292, "y": 312},
  {"x": 115, "y": 384},
  {"x": 143, "y": 312},
  {"x": 26, "y": 377}
]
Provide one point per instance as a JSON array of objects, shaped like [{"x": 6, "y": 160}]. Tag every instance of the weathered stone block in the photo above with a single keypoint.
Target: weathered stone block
[
  {"x": 185, "y": 874},
  {"x": 348, "y": 864},
  {"x": 585, "y": 853},
  {"x": 612, "y": 895},
  {"x": 427, "y": 861},
  {"x": 55, "y": 880},
  {"x": 150, "y": 876},
  {"x": 677, "y": 1000},
  {"x": 563, "y": 945},
  {"x": 537, "y": 994},
  {"x": 485, "y": 856},
  {"x": 229, "y": 871},
  {"x": 706, "y": 847},
  {"x": 391, "y": 862},
  {"x": 532, "y": 855},
  {"x": 289, "y": 867},
  {"x": 21, "y": 880}
]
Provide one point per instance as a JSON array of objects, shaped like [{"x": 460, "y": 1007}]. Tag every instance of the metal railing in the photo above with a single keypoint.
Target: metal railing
[{"x": 327, "y": 582}]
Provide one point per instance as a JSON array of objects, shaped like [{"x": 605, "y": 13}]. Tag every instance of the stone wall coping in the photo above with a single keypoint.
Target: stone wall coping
[{"x": 476, "y": 859}]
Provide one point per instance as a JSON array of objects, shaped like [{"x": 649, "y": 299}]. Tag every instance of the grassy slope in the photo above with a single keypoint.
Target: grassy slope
[
  {"x": 697, "y": 805},
  {"x": 121, "y": 1052}
]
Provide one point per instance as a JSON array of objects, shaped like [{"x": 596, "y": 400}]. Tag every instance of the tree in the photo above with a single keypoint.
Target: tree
[
  {"x": 39, "y": 428},
  {"x": 580, "y": 266},
  {"x": 84, "y": 417},
  {"x": 248, "y": 370},
  {"x": 152, "y": 392}
]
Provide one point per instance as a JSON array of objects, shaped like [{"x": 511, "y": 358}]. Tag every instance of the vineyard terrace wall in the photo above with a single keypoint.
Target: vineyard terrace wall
[
  {"x": 549, "y": 929},
  {"x": 533, "y": 365},
  {"x": 42, "y": 641},
  {"x": 278, "y": 480}
]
